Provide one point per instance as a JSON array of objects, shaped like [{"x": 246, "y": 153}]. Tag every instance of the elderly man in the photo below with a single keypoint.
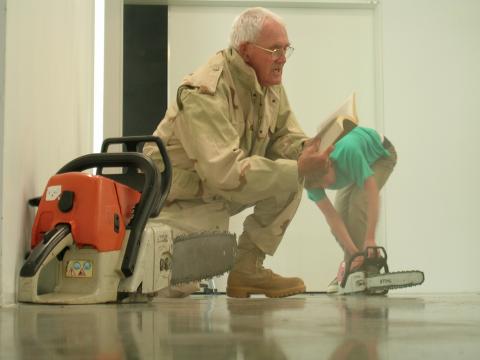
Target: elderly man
[{"x": 235, "y": 143}]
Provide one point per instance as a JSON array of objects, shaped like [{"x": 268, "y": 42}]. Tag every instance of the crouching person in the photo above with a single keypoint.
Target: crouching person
[{"x": 234, "y": 143}]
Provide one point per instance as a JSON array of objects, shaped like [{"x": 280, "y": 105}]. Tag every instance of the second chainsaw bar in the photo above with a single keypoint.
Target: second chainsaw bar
[
  {"x": 201, "y": 256},
  {"x": 394, "y": 280}
]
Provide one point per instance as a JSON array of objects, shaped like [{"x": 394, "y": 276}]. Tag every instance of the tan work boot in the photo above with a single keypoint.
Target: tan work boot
[{"x": 249, "y": 277}]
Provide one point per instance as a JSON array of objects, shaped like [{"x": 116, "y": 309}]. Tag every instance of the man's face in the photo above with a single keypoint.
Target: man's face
[{"x": 268, "y": 69}]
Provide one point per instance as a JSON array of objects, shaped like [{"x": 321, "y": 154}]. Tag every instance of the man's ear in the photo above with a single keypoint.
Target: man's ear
[{"x": 243, "y": 50}]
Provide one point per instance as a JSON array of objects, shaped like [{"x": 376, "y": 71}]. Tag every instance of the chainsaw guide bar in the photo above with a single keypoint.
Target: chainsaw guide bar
[
  {"x": 395, "y": 280},
  {"x": 202, "y": 255}
]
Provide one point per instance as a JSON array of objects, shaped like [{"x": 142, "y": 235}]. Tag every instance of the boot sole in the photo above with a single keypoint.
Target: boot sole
[{"x": 245, "y": 292}]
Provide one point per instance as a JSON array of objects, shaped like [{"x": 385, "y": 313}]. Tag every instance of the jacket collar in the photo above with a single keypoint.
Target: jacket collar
[{"x": 243, "y": 72}]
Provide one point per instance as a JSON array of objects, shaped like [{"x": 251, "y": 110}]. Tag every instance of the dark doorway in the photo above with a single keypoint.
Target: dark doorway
[{"x": 145, "y": 41}]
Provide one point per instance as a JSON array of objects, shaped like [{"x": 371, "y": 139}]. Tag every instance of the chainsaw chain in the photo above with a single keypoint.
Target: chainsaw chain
[
  {"x": 203, "y": 277},
  {"x": 223, "y": 242}
]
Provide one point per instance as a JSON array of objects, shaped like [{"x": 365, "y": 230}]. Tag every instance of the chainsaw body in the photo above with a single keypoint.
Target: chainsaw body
[
  {"x": 91, "y": 239},
  {"x": 374, "y": 276}
]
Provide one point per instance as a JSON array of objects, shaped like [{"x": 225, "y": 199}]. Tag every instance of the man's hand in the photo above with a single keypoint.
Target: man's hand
[
  {"x": 311, "y": 163},
  {"x": 357, "y": 263},
  {"x": 370, "y": 242}
]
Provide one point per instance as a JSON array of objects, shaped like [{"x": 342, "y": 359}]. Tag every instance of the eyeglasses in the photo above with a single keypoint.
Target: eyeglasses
[{"x": 277, "y": 53}]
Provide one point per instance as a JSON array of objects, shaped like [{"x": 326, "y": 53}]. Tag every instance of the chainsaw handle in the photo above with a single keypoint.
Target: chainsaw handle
[
  {"x": 131, "y": 143},
  {"x": 135, "y": 144},
  {"x": 35, "y": 201},
  {"x": 379, "y": 259},
  {"x": 114, "y": 160},
  {"x": 378, "y": 251}
]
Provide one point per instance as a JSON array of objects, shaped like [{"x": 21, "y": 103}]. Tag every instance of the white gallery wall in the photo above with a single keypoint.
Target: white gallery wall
[
  {"x": 47, "y": 112},
  {"x": 419, "y": 82},
  {"x": 2, "y": 118},
  {"x": 431, "y": 57}
]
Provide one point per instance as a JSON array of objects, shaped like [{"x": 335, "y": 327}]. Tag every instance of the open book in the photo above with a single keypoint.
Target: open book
[{"x": 339, "y": 123}]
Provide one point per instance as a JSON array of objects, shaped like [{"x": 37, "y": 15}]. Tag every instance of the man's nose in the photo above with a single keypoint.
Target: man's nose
[{"x": 282, "y": 59}]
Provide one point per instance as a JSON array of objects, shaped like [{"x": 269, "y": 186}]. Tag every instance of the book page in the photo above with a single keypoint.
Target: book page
[
  {"x": 330, "y": 135},
  {"x": 347, "y": 109},
  {"x": 333, "y": 126}
]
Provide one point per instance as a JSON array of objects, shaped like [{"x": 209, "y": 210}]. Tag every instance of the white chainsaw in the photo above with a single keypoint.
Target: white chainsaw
[{"x": 374, "y": 277}]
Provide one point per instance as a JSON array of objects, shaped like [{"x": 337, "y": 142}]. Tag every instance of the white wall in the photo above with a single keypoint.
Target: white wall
[
  {"x": 48, "y": 110},
  {"x": 2, "y": 116},
  {"x": 113, "y": 91},
  {"x": 432, "y": 90}
]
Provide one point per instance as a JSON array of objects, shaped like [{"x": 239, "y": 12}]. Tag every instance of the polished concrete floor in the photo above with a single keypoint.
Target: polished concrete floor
[{"x": 216, "y": 327}]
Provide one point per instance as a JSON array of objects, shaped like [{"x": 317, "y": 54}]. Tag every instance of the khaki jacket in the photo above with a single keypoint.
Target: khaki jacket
[{"x": 228, "y": 136}]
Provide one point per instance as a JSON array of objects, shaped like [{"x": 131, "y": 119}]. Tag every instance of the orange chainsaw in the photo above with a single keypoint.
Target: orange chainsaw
[{"x": 92, "y": 241}]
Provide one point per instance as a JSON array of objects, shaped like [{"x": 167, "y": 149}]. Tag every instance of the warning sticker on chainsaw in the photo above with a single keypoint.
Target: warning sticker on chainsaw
[
  {"x": 53, "y": 192},
  {"x": 79, "y": 269}
]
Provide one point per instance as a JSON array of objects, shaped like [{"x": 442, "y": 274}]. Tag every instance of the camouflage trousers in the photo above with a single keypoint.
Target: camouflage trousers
[{"x": 265, "y": 227}]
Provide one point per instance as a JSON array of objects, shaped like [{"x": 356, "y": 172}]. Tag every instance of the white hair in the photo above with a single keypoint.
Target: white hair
[{"x": 249, "y": 23}]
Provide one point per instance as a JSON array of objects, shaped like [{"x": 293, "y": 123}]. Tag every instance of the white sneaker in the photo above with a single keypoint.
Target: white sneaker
[
  {"x": 332, "y": 288},
  {"x": 334, "y": 285}
]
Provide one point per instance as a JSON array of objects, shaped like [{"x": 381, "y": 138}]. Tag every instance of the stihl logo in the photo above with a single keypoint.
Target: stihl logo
[{"x": 385, "y": 281}]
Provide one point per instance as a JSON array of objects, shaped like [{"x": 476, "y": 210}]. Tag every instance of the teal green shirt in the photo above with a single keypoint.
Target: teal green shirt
[{"x": 352, "y": 158}]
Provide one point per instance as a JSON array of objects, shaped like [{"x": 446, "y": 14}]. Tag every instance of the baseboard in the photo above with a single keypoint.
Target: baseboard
[{"x": 7, "y": 299}]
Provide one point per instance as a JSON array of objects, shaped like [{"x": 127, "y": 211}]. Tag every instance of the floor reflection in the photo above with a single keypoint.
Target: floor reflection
[
  {"x": 203, "y": 328},
  {"x": 252, "y": 324},
  {"x": 365, "y": 320},
  {"x": 54, "y": 332},
  {"x": 216, "y": 327},
  {"x": 364, "y": 325}
]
